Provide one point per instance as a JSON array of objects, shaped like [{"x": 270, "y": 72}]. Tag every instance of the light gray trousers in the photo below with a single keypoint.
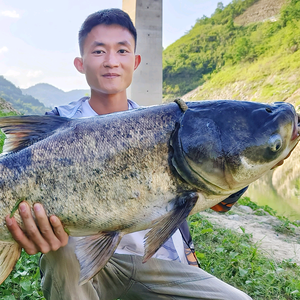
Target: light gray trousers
[{"x": 126, "y": 277}]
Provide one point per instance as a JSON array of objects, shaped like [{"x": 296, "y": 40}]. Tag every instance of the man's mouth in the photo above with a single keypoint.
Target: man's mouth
[{"x": 111, "y": 75}]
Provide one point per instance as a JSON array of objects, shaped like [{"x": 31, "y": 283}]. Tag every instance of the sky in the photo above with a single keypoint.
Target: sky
[{"x": 38, "y": 39}]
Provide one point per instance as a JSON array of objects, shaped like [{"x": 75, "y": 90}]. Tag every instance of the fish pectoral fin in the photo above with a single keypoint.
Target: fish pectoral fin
[
  {"x": 93, "y": 252},
  {"x": 9, "y": 255},
  {"x": 23, "y": 131},
  {"x": 166, "y": 226}
]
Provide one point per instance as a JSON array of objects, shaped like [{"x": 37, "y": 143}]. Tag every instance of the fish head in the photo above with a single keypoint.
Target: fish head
[{"x": 222, "y": 146}]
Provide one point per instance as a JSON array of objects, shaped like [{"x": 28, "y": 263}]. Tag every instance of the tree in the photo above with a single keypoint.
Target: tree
[{"x": 220, "y": 6}]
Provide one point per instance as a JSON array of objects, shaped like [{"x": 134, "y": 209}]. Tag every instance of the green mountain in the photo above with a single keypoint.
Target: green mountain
[
  {"x": 25, "y": 104},
  {"x": 219, "y": 58},
  {"x": 51, "y": 96},
  {"x": 235, "y": 55}
]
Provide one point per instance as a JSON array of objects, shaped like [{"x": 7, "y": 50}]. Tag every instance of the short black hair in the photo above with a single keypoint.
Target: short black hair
[{"x": 112, "y": 16}]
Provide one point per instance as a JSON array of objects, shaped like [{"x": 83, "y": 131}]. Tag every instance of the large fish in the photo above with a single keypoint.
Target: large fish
[{"x": 110, "y": 175}]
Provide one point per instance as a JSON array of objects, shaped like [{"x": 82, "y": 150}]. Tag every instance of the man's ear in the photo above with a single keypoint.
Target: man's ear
[
  {"x": 138, "y": 60},
  {"x": 78, "y": 63}
]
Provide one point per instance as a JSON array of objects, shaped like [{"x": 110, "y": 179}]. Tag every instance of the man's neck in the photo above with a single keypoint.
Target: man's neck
[{"x": 105, "y": 104}]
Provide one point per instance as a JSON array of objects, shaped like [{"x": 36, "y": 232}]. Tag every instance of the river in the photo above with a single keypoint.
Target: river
[{"x": 265, "y": 195}]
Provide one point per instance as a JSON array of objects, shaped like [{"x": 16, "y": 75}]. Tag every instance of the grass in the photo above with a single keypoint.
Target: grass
[
  {"x": 233, "y": 258},
  {"x": 286, "y": 226},
  {"x": 24, "y": 282}
]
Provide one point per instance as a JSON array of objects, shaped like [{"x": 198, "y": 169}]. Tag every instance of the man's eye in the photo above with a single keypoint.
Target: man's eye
[
  {"x": 123, "y": 51},
  {"x": 98, "y": 51}
]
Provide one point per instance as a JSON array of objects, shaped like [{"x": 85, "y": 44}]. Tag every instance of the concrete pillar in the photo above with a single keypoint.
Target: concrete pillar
[{"x": 146, "y": 87}]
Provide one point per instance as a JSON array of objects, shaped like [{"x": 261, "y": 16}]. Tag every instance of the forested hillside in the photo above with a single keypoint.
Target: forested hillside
[
  {"x": 6, "y": 108},
  {"x": 25, "y": 104},
  {"x": 259, "y": 61}
]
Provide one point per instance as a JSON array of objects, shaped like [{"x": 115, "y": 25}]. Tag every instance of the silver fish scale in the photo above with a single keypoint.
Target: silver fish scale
[
  {"x": 115, "y": 173},
  {"x": 97, "y": 175}
]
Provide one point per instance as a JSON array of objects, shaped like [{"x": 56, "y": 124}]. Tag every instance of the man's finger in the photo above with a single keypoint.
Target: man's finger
[
  {"x": 45, "y": 227},
  {"x": 31, "y": 229},
  {"x": 59, "y": 230},
  {"x": 19, "y": 236}
]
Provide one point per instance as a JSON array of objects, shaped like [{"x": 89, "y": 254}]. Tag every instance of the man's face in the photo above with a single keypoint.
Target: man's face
[{"x": 108, "y": 59}]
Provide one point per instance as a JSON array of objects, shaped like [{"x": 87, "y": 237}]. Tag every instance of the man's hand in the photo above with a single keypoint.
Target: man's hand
[{"x": 50, "y": 235}]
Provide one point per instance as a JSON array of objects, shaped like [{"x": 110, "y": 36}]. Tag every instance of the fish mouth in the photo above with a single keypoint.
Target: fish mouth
[
  {"x": 295, "y": 135},
  {"x": 296, "y": 130}
]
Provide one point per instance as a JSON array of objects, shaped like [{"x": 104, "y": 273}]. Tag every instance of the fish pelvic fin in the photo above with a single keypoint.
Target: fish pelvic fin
[
  {"x": 93, "y": 252},
  {"x": 9, "y": 255},
  {"x": 23, "y": 131},
  {"x": 166, "y": 226}
]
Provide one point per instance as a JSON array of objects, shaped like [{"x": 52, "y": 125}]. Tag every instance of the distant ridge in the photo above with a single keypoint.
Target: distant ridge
[
  {"x": 51, "y": 96},
  {"x": 25, "y": 104}
]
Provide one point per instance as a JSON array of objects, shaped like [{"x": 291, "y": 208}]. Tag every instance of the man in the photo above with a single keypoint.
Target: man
[{"x": 107, "y": 41}]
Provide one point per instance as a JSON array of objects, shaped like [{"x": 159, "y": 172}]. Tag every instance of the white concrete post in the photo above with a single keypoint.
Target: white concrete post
[{"x": 146, "y": 87}]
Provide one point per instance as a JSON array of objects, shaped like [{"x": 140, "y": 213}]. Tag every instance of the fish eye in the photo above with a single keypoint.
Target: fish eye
[
  {"x": 275, "y": 143},
  {"x": 269, "y": 110}
]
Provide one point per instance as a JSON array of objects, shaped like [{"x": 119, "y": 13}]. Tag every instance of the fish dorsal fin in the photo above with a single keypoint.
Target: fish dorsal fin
[
  {"x": 93, "y": 252},
  {"x": 166, "y": 226},
  {"x": 9, "y": 255},
  {"x": 23, "y": 131}
]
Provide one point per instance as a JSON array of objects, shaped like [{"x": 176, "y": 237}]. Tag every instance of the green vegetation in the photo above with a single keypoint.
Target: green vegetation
[
  {"x": 286, "y": 226},
  {"x": 23, "y": 103},
  {"x": 24, "y": 282},
  {"x": 234, "y": 259},
  {"x": 218, "y": 52}
]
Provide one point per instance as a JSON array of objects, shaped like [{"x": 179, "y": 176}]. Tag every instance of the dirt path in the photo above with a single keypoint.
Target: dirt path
[{"x": 273, "y": 244}]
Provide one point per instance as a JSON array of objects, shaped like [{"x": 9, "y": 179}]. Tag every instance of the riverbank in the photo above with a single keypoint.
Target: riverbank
[
  {"x": 251, "y": 248},
  {"x": 273, "y": 237}
]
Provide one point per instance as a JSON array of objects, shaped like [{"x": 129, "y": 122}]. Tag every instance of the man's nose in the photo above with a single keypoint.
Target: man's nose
[{"x": 111, "y": 60}]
